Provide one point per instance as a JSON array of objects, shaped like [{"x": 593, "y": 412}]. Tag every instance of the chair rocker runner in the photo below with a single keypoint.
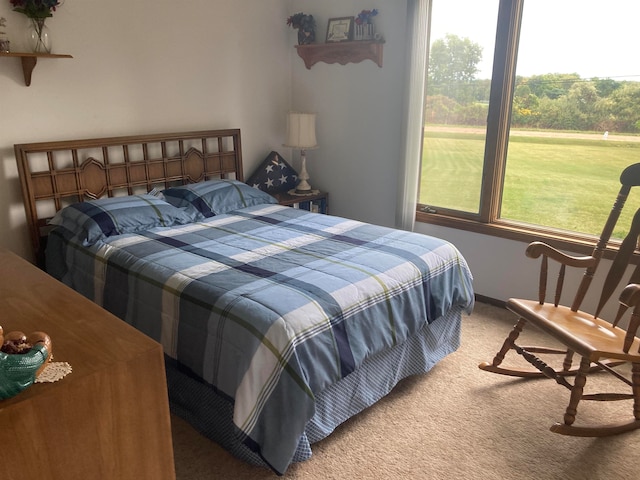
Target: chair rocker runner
[{"x": 601, "y": 345}]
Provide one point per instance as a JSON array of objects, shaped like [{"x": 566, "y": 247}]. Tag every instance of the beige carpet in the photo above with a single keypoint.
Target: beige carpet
[{"x": 456, "y": 422}]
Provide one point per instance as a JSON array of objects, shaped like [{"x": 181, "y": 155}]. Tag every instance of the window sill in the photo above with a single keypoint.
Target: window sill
[{"x": 579, "y": 244}]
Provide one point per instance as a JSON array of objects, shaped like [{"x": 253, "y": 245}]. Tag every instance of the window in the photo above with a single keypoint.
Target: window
[{"x": 532, "y": 111}]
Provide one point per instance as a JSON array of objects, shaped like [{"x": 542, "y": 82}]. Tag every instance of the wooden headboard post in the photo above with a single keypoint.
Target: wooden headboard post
[{"x": 55, "y": 174}]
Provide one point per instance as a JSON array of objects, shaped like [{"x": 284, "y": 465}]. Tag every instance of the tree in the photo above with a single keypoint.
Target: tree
[
  {"x": 525, "y": 106},
  {"x": 441, "y": 109},
  {"x": 606, "y": 86},
  {"x": 625, "y": 107},
  {"x": 551, "y": 85},
  {"x": 453, "y": 65},
  {"x": 581, "y": 101}
]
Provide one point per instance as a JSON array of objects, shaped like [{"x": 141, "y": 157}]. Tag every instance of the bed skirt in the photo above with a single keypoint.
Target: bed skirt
[{"x": 211, "y": 413}]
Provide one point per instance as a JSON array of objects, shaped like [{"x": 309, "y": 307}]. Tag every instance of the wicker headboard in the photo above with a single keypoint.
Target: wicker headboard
[{"x": 55, "y": 174}]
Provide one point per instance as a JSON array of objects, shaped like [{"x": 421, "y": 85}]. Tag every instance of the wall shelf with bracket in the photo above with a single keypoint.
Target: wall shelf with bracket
[
  {"x": 29, "y": 61},
  {"x": 342, "y": 53}
]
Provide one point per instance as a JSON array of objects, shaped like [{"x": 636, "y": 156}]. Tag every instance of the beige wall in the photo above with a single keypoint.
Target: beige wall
[
  {"x": 140, "y": 67},
  {"x": 158, "y": 65},
  {"x": 152, "y": 66},
  {"x": 359, "y": 107}
]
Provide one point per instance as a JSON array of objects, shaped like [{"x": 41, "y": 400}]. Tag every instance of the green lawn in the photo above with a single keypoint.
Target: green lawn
[{"x": 557, "y": 182}]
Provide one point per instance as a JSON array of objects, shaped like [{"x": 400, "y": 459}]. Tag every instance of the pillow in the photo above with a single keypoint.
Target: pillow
[
  {"x": 274, "y": 175},
  {"x": 215, "y": 197},
  {"x": 96, "y": 219}
]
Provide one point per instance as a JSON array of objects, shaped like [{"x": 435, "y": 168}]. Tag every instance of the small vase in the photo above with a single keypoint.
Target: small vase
[
  {"x": 306, "y": 37},
  {"x": 38, "y": 36},
  {"x": 5, "y": 45},
  {"x": 364, "y": 31}
]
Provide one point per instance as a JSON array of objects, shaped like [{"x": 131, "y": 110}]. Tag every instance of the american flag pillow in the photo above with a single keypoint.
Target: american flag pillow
[{"x": 274, "y": 175}]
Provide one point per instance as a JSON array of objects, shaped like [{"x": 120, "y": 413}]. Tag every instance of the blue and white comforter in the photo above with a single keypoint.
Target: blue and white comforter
[{"x": 270, "y": 304}]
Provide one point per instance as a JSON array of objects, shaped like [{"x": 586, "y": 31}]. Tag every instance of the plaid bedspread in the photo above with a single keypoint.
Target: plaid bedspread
[{"x": 270, "y": 304}]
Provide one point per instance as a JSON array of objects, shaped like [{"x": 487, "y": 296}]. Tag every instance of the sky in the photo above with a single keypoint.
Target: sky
[{"x": 588, "y": 37}]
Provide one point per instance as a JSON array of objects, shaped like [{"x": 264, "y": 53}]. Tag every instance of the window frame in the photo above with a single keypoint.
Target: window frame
[{"x": 488, "y": 221}]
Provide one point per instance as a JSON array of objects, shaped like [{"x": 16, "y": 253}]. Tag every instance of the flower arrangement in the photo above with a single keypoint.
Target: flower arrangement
[
  {"x": 35, "y": 8},
  {"x": 366, "y": 16},
  {"x": 306, "y": 26},
  {"x": 37, "y": 11},
  {"x": 302, "y": 21}
]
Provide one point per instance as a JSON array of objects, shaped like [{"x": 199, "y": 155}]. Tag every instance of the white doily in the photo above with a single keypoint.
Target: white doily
[{"x": 54, "y": 371}]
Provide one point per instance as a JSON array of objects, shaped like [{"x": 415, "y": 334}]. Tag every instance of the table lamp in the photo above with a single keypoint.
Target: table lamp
[{"x": 301, "y": 133}]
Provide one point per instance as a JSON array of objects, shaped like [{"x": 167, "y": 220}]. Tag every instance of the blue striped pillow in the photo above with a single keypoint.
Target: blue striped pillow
[
  {"x": 96, "y": 219},
  {"x": 215, "y": 197}
]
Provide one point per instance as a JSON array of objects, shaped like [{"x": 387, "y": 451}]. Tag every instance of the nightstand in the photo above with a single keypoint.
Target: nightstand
[{"x": 317, "y": 202}]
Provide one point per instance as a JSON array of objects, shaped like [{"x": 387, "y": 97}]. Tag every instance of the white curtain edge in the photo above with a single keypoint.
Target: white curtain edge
[{"x": 409, "y": 168}]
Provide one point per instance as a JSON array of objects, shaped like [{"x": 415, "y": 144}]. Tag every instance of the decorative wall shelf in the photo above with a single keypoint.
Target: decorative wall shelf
[
  {"x": 342, "y": 53},
  {"x": 29, "y": 61}
]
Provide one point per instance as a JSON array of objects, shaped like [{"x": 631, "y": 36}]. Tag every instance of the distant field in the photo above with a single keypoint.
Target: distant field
[{"x": 567, "y": 183}]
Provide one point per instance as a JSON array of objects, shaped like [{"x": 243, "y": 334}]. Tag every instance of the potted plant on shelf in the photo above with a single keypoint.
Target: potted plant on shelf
[
  {"x": 4, "y": 41},
  {"x": 364, "y": 28},
  {"x": 306, "y": 26}
]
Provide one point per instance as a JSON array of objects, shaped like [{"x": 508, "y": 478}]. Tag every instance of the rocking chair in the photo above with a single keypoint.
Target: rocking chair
[{"x": 601, "y": 345}]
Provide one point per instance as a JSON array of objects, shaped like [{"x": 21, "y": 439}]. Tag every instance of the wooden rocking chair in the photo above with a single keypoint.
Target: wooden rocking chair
[{"x": 601, "y": 345}]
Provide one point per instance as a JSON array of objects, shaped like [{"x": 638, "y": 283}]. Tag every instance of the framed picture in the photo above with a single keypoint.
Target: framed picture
[{"x": 340, "y": 29}]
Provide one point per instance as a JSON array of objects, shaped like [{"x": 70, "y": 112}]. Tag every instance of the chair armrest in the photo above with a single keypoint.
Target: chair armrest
[
  {"x": 535, "y": 249},
  {"x": 630, "y": 296}
]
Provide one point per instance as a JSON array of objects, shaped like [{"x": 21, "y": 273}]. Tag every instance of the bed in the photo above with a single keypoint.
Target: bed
[{"x": 277, "y": 324}]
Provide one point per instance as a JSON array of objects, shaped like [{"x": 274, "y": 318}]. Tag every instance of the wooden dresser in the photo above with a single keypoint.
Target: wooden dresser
[{"x": 109, "y": 418}]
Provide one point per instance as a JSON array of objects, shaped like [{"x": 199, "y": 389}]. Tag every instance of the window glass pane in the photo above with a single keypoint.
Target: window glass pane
[
  {"x": 457, "y": 102},
  {"x": 576, "y": 112}
]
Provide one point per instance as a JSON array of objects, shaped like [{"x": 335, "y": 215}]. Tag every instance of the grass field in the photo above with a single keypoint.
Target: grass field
[{"x": 564, "y": 183}]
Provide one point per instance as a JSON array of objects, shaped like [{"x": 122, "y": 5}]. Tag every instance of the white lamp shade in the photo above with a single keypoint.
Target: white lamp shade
[{"x": 301, "y": 131}]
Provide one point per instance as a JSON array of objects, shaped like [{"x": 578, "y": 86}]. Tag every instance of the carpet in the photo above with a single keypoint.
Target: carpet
[{"x": 454, "y": 422}]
